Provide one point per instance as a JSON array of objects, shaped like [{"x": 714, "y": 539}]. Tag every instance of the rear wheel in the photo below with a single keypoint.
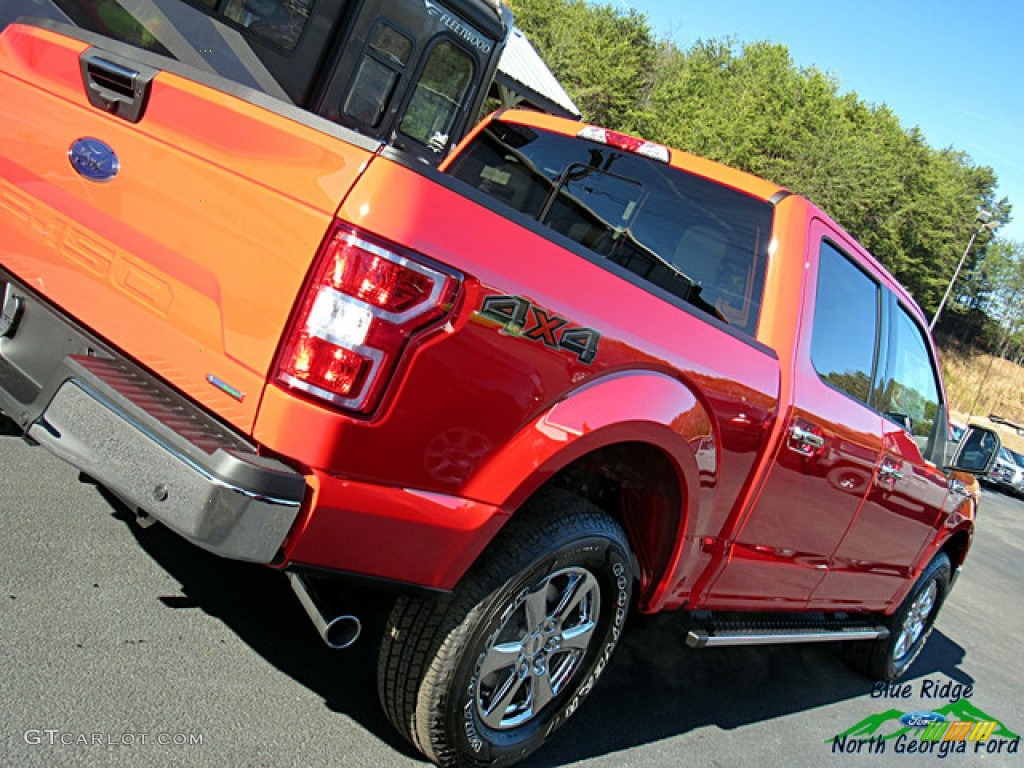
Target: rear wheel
[
  {"x": 484, "y": 675},
  {"x": 908, "y": 628}
]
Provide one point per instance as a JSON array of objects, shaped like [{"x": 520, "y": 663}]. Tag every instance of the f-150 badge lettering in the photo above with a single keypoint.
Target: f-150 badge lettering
[{"x": 519, "y": 317}]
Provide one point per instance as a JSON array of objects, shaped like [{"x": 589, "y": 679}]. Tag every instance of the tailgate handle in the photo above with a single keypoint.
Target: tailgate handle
[{"x": 115, "y": 84}]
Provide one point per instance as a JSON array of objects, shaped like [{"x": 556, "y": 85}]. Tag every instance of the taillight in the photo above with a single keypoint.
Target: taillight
[{"x": 366, "y": 299}]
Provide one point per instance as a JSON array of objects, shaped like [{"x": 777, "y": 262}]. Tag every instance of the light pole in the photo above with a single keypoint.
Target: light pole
[{"x": 982, "y": 221}]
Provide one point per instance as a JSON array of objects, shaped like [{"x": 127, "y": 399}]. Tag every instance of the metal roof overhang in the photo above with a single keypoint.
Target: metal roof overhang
[{"x": 522, "y": 71}]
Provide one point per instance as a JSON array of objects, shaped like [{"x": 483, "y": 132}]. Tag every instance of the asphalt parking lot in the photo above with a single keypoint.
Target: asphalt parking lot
[{"x": 123, "y": 646}]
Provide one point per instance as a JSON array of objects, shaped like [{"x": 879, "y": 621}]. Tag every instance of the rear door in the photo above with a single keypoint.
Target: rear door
[
  {"x": 826, "y": 463},
  {"x": 184, "y": 225}
]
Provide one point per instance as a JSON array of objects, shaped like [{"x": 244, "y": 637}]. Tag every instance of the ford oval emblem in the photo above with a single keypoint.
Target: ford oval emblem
[
  {"x": 921, "y": 719},
  {"x": 94, "y": 159}
]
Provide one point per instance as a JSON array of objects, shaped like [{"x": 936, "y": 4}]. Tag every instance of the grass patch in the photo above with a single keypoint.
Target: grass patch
[{"x": 979, "y": 385}]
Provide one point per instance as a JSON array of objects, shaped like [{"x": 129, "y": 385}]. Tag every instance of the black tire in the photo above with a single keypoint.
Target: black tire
[
  {"x": 482, "y": 676},
  {"x": 908, "y": 628}
]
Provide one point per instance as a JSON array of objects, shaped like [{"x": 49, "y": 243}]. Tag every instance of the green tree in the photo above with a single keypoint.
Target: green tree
[
  {"x": 750, "y": 106},
  {"x": 997, "y": 288}
]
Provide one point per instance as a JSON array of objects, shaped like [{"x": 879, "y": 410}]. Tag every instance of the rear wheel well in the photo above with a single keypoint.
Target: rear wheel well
[{"x": 639, "y": 486}]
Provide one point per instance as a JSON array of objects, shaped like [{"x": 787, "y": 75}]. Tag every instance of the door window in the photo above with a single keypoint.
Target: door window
[
  {"x": 910, "y": 389},
  {"x": 845, "y": 334}
]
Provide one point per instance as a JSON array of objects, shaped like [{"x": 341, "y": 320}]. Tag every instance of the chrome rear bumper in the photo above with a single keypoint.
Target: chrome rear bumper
[
  {"x": 231, "y": 504},
  {"x": 154, "y": 448}
]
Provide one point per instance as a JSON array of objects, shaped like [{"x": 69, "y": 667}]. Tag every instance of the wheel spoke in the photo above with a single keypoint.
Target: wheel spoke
[
  {"x": 501, "y": 700},
  {"x": 541, "y": 691},
  {"x": 927, "y": 601},
  {"x": 501, "y": 657},
  {"x": 562, "y": 667},
  {"x": 537, "y": 607},
  {"x": 901, "y": 644},
  {"x": 581, "y": 586},
  {"x": 578, "y": 638}
]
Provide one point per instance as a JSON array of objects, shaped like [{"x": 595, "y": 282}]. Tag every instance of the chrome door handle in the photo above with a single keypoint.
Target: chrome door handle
[
  {"x": 889, "y": 472},
  {"x": 804, "y": 441}
]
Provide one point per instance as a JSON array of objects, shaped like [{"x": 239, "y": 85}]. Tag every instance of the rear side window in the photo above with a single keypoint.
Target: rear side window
[
  {"x": 900, "y": 382},
  {"x": 845, "y": 333},
  {"x": 703, "y": 243}
]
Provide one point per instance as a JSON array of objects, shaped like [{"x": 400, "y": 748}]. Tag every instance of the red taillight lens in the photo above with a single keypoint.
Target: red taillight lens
[
  {"x": 320, "y": 363},
  {"x": 366, "y": 299},
  {"x": 376, "y": 276}
]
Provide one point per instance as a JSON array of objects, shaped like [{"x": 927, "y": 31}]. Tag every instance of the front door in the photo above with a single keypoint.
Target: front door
[{"x": 904, "y": 509}]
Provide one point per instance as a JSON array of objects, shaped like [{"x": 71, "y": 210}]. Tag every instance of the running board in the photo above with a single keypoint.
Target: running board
[{"x": 725, "y": 635}]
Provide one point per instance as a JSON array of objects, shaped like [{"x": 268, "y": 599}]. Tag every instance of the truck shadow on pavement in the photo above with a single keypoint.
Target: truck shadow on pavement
[{"x": 655, "y": 688}]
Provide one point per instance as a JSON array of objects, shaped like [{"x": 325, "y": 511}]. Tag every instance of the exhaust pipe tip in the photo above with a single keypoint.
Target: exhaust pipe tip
[
  {"x": 342, "y": 631},
  {"x": 338, "y": 632}
]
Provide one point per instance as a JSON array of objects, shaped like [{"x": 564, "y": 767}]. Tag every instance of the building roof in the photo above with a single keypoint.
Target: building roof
[{"x": 521, "y": 69}]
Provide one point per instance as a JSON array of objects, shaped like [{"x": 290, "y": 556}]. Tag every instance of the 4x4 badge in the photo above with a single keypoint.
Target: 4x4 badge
[
  {"x": 518, "y": 317},
  {"x": 10, "y": 311}
]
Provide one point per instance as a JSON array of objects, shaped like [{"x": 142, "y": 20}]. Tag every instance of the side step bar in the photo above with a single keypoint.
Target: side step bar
[{"x": 721, "y": 636}]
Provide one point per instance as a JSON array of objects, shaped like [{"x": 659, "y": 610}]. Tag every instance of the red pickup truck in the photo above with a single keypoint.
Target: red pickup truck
[{"x": 567, "y": 376}]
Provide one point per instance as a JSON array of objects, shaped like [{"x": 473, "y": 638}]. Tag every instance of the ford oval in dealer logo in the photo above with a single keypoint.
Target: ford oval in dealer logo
[
  {"x": 93, "y": 159},
  {"x": 921, "y": 719}
]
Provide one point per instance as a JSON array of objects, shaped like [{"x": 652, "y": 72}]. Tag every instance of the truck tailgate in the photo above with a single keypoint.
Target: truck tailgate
[{"x": 190, "y": 257}]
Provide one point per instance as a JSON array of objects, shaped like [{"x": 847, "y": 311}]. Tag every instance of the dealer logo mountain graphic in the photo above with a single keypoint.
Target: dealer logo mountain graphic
[{"x": 886, "y": 725}]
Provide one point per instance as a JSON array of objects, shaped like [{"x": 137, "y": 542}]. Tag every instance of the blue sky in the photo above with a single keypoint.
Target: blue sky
[{"x": 954, "y": 68}]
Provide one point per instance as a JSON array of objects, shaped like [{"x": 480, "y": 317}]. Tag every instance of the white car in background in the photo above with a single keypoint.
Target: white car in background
[
  {"x": 1005, "y": 474},
  {"x": 1018, "y": 480}
]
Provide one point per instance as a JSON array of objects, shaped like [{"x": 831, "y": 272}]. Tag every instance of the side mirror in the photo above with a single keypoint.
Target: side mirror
[{"x": 977, "y": 451}]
